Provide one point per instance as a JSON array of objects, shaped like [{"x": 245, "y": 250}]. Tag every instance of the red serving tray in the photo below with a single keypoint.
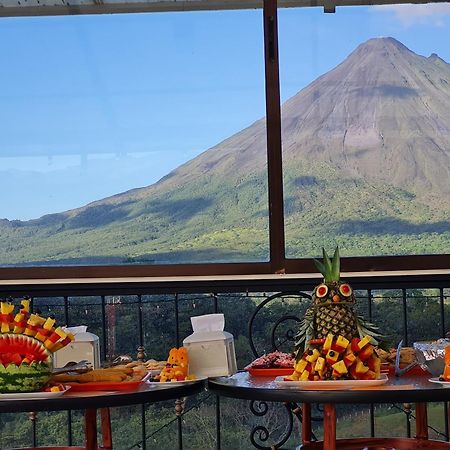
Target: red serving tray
[
  {"x": 275, "y": 372},
  {"x": 104, "y": 386},
  {"x": 417, "y": 370}
]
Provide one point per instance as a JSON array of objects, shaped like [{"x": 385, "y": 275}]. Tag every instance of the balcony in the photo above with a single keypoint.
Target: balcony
[{"x": 129, "y": 315}]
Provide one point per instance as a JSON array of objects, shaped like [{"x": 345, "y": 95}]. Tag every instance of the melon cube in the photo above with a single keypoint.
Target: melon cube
[
  {"x": 355, "y": 344},
  {"x": 349, "y": 359},
  {"x": 366, "y": 352}
]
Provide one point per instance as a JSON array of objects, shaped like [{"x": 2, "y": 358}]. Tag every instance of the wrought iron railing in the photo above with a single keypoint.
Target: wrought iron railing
[{"x": 138, "y": 322}]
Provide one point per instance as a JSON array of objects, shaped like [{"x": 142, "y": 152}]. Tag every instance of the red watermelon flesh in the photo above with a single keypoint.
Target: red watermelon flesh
[{"x": 14, "y": 348}]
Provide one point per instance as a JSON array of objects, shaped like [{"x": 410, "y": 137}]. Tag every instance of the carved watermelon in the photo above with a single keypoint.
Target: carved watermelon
[{"x": 25, "y": 364}]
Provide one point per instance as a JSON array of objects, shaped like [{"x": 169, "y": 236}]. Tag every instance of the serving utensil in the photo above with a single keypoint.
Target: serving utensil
[
  {"x": 398, "y": 371},
  {"x": 80, "y": 367}
]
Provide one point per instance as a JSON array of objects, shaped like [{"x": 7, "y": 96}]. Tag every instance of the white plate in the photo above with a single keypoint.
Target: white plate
[
  {"x": 32, "y": 395},
  {"x": 438, "y": 381},
  {"x": 173, "y": 383},
  {"x": 331, "y": 384}
]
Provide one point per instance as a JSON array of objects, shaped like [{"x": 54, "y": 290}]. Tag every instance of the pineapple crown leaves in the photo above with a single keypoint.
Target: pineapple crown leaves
[
  {"x": 305, "y": 333},
  {"x": 329, "y": 268},
  {"x": 366, "y": 328}
]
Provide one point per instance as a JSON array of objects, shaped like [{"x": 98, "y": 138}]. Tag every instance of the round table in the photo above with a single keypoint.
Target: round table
[
  {"x": 415, "y": 389},
  {"x": 90, "y": 401}
]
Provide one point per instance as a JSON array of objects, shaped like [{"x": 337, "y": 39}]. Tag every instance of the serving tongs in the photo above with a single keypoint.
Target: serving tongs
[
  {"x": 80, "y": 367},
  {"x": 399, "y": 372}
]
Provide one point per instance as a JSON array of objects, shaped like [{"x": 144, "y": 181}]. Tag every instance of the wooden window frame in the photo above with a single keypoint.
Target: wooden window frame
[{"x": 278, "y": 263}]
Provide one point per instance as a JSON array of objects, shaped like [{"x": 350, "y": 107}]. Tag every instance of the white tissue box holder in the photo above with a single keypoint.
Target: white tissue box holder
[
  {"x": 86, "y": 346},
  {"x": 211, "y": 353}
]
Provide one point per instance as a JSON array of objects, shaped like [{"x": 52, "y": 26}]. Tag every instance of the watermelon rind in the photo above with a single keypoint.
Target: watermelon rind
[{"x": 24, "y": 378}]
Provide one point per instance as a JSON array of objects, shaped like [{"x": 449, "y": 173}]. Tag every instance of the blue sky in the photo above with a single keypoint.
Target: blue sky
[{"x": 96, "y": 105}]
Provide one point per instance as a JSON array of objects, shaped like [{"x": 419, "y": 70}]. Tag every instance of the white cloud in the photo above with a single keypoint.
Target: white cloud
[{"x": 408, "y": 14}]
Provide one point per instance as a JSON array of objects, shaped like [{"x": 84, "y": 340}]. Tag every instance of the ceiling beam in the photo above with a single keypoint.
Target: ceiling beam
[{"x": 17, "y": 8}]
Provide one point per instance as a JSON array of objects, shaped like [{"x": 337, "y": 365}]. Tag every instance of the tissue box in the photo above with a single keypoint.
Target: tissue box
[
  {"x": 86, "y": 346},
  {"x": 211, "y": 353}
]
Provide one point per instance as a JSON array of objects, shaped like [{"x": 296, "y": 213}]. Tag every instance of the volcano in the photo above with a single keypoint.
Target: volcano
[{"x": 366, "y": 156}]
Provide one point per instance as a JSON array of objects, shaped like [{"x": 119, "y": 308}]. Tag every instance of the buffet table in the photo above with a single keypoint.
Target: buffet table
[
  {"x": 91, "y": 401},
  {"x": 415, "y": 389}
]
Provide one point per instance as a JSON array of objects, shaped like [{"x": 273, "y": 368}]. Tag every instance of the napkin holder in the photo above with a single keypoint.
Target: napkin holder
[
  {"x": 85, "y": 346},
  {"x": 211, "y": 353}
]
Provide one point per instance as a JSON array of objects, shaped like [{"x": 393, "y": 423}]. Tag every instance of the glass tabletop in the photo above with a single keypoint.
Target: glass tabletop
[{"x": 414, "y": 388}]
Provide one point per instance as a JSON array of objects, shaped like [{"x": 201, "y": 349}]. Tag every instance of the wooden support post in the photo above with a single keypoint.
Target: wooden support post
[
  {"x": 329, "y": 427},
  {"x": 106, "y": 429},
  {"x": 306, "y": 423},
  {"x": 421, "y": 421},
  {"x": 90, "y": 429}
]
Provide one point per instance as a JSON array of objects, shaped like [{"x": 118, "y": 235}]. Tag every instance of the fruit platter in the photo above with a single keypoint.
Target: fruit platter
[
  {"x": 27, "y": 344},
  {"x": 336, "y": 358},
  {"x": 334, "y": 343}
]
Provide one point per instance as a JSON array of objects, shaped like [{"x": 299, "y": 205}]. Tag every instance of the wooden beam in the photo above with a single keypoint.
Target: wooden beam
[{"x": 9, "y": 8}]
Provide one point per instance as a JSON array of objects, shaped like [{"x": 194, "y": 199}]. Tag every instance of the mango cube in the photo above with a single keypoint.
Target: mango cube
[
  {"x": 313, "y": 356},
  {"x": 304, "y": 376},
  {"x": 328, "y": 341},
  {"x": 320, "y": 364},
  {"x": 332, "y": 356},
  {"x": 300, "y": 366},
  {"x": 340, "y": 368},
  {"x": 361, "y": 367},
  {"x": 364, "y": 341},
  {"x": 342, "y": 343}
]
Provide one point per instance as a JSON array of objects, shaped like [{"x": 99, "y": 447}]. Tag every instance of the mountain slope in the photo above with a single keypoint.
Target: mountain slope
[{"x": 367, "y": 163}]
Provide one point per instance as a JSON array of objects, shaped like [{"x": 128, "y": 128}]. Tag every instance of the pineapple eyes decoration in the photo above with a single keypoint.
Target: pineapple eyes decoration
[
  {"x": 345, "y": 290},
  {"x": 321, "y": 290}
]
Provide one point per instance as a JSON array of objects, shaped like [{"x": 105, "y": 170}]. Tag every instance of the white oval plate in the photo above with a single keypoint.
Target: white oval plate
[
  {"x": 32, "y": 395},
  {"x": 438, "y": 381},
  {"x": 170, "y": 383},
  {"x": 332, "y": 384}
]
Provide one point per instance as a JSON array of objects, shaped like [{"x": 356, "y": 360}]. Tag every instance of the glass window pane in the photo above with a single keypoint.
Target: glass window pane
[
  {"x": 366, "y": 135},
  {"x": 133, "y": 139}
]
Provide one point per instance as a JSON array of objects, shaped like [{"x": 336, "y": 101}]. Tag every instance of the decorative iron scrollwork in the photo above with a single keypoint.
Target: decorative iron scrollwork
[
  {"x": 290, "y": 333},
  {"x": 260, "y": 434}
]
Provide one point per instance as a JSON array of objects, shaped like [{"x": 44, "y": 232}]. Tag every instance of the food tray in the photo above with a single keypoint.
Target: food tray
[
  {"x": 416, "y": 370},
  {"x": 105, "y": 386},
  {"x": 331, "y": 384},
  {"x": 270, "y": 372},
  {"x": 33, "y": 395}
]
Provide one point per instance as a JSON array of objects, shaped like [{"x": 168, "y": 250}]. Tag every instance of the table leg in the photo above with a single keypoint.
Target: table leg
[
  {"x": 90, "y": 429},
  {"x": 421, "y": 421},
  {"x": 329, "y": 427},
  {"x": 306, "y": 423},
  {"x": 448, "y": 419},
  {"x": 106, "y": 429}
]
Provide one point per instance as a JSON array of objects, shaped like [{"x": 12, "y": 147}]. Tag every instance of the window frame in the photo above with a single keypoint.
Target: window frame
[{"x": 278, "y": 263}]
